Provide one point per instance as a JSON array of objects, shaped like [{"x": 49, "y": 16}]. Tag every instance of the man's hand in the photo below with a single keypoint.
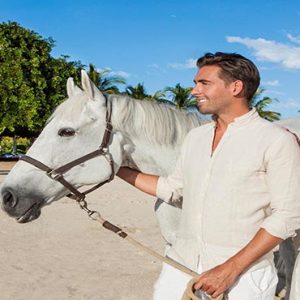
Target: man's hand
[{"x": 217, "y": 280}]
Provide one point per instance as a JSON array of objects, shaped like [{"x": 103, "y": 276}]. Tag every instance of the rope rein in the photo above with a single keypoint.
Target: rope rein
[
  {"x": 189, "y": 293},
  {"x": 96, "y": 216},
  {"x": 57, "y": 174}
]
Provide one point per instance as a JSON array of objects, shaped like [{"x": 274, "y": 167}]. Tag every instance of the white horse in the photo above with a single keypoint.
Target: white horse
[{"x": 146, "y": 136}]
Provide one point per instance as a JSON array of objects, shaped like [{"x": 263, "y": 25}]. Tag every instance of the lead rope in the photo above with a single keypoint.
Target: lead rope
[
  {"x": 58, "y": 175},
  {"x": 189, "y": 293}
]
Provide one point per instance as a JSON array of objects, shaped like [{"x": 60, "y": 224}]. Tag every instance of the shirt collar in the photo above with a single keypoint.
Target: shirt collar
[{"x": 243, "y": 119}]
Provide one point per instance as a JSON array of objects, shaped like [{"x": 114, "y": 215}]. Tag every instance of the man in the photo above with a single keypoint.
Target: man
[{"x": 239, "y": 178}]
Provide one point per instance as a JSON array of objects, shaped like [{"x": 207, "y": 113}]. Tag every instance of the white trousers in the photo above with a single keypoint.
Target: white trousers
[{"x": 259, "y": 284}]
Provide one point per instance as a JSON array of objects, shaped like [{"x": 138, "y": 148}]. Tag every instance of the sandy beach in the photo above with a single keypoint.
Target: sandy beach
[{"x": 66, "y": 255}]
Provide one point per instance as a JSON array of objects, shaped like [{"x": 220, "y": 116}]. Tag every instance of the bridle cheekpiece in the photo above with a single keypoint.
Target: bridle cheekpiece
[{"x": 57, "y": 174}]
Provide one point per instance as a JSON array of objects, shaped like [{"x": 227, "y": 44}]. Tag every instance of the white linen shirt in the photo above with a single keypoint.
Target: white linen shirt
[{"x": 250, "y": 181}]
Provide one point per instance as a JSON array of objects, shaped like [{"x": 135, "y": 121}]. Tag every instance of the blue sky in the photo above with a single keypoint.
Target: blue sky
[{"x": 157, "y": 42}]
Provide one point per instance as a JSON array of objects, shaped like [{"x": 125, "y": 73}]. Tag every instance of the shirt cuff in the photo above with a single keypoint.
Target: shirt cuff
[
  {"x": 163, "y": 190},
  {"x": 167, "y": 194},
  {"x": 278, "y": 228}
]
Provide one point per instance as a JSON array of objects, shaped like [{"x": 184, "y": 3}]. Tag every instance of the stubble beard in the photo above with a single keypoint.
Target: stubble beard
[{"x": 204, "y": 106}]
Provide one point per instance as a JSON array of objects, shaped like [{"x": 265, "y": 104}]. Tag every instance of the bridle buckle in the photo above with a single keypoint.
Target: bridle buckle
[{"x": 53, "y": 175}]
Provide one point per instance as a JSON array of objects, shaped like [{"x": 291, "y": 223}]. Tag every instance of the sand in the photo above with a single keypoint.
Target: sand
[{"x": 66, "y": 255}]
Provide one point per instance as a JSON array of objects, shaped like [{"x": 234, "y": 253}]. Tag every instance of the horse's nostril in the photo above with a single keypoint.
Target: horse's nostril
[{"x": 9, "y": 200}]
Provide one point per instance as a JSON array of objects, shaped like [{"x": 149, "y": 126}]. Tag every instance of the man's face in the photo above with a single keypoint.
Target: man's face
[{"x": 214, "y": 96}]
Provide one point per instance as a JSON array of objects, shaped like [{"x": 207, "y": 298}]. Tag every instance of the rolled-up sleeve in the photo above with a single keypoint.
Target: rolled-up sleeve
[{"x": 283, "y": 179}]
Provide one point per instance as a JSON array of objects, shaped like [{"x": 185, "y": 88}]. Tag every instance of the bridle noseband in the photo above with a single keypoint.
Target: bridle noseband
[{"x": 57, "y": 174}]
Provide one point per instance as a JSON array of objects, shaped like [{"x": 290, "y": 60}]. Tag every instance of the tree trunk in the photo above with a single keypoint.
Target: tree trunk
[{"x": 14, "y": 144}]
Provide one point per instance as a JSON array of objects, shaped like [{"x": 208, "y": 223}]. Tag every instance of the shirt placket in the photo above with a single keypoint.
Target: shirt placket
[{"x": 204, "y": 190}]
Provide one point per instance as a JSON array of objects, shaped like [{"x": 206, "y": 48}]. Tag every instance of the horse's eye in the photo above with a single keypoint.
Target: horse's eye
[{"x": 66, "y": 132}]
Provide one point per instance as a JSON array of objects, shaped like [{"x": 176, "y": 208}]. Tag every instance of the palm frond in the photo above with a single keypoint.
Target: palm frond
[{"x": 260, "y": 104}]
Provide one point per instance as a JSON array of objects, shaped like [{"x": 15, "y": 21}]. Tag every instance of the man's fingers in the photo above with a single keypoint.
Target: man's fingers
[
  {"x": 198, "y": 284},
  {"x": 205, "y": 287},
  {"x": 217, "y": 293},
  {"x": 211, "y": 290}
]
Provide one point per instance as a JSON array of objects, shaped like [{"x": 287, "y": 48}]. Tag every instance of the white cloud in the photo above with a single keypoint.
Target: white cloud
[
  {"x": 190, "y": 63},
  {"x": 287, "y": 104},
  {"x": 114, "y": 73},
  {"x": 294, "y": 39},
  {"x": 173, "y": 16},
  {"x": 104, "y": 69},
  {"x": 273, "y": 92},
  {"x": 120, "y": 73},
  {"x": 271, "y": 51},
  {"x": 272, "y": 83},
  {"x": 154, "y": 68}
]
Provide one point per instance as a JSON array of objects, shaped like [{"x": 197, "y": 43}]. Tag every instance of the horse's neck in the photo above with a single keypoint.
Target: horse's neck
[
  {"x": 141, "y": 154},
  {"x": 151, "y": 159}
]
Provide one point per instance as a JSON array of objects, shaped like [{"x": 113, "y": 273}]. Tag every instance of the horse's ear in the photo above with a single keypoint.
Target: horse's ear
[
  {"x": 72, "y": 89},
  {"x": 90, "y": 89}
]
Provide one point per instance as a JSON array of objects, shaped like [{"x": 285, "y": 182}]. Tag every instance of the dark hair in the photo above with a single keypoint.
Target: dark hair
[{"x": 234, "y": 67}]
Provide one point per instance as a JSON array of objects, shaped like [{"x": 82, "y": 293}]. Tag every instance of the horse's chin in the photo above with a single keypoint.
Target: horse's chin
[{"x": 31, "y": 214}]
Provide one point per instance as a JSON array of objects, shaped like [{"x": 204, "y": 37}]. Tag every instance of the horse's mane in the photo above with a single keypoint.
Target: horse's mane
[{"x": 155, "y": 122}]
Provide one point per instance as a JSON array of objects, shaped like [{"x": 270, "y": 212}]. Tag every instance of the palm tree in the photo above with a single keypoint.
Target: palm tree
[
  {"x": 137, "y": 92},
  {"x": 261, "y": 103},
  {"x": 104, "y": 81},
  {"x": 159, "y": 96},
  {"x": 181, "y": 97}
]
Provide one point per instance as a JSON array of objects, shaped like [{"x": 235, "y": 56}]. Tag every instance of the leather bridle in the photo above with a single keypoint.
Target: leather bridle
[{"x": 57, "y": 174}]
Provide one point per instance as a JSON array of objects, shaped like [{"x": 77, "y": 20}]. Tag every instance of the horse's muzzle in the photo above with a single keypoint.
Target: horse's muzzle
[
  {"x": 9, "y": 201},
  {"x": 24, "y": 210}
]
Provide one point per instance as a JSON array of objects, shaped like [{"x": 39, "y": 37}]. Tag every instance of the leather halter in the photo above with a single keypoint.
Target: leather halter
[{"x": 57, "y": 174}]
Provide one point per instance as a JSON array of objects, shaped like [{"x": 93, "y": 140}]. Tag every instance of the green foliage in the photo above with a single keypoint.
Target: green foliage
[
  {"x": 261, "y": 104},
  {"x": 159, "y": 96},
  {"x": 138, "y": 92},
  {"x": 181, "y": 97},
  {"x": 7, "y": 144},
  {"x": 105, "y": 81},
  {"x": 32, "y": 83}
]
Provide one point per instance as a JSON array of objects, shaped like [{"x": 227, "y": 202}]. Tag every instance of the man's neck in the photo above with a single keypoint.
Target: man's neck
[{"x": 224, "y": 119}]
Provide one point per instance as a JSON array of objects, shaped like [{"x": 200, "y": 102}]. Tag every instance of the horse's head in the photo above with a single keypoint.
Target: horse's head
[{"x": 75, "y": 129}]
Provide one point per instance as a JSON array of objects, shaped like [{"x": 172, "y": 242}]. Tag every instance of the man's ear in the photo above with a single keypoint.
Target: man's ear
[{"x": 237, "y": 87}]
